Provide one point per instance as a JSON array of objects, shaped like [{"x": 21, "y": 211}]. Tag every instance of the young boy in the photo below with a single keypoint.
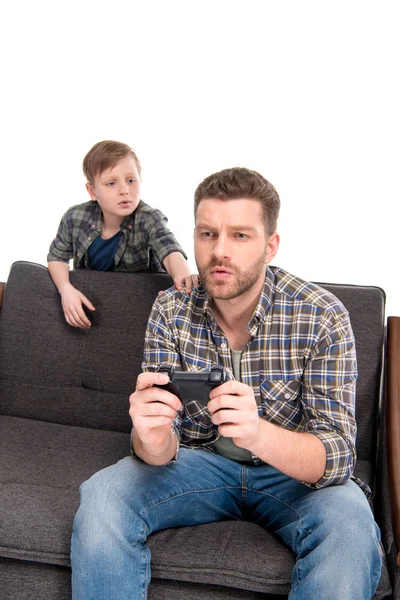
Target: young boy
[{"x": 114, "y": 231}]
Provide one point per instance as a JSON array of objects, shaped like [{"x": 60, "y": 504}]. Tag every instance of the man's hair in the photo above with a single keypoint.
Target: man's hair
[
  {"x": 105, "y": 155},
  {"x": 239, "y": 182}
]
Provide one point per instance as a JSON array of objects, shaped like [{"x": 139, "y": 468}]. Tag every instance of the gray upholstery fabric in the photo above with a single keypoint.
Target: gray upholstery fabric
[
  {"x": 64, "y": 415},
  {"x": 54, "y": 372},
  {"x": 366, "y": 306}
]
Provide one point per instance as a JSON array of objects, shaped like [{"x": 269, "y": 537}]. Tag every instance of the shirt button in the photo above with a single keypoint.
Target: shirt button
[
  {"x": 287, "y": 396},
  {"x": 223, "y": 345},
  {"x": 89, "y": 238},
  {"x": 129, "y": 226},
  {"x": 78, "y": 253},
  {"x": 93, "y": 226}
]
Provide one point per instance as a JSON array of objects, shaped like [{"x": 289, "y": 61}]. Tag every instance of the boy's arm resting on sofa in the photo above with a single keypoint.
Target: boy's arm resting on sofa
[
  {"x": 71, "y": 298},
  {"x": 393, "y": 422}
]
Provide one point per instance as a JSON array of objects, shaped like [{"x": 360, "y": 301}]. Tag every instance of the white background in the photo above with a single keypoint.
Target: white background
[{"x": 306, "y": 92}]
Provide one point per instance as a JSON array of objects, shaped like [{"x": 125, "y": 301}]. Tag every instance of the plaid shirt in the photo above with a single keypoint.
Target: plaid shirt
[
  {"x": 145, "y": 242},
  {"x": 300, "y": 363}
]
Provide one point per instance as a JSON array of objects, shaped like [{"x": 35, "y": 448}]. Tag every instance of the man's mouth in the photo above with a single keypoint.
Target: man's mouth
[{"x": 220, "y": 273}]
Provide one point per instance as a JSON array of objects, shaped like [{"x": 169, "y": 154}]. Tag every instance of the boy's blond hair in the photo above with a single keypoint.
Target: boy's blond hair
[{"x": 105, "y": 155}]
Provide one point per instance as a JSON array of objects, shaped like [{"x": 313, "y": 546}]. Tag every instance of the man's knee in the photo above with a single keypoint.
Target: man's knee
[{"x": 342, "y": 515}]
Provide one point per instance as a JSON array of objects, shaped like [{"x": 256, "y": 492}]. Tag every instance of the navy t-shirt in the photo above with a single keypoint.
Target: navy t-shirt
[{"x": 102, "y": 252}]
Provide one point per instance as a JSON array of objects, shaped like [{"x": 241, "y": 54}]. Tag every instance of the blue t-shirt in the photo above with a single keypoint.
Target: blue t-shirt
[{"x": 102, "y": 252}]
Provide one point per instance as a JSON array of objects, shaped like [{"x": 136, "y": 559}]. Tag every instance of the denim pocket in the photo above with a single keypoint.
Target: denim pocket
[{"x": 281, "y": 402}]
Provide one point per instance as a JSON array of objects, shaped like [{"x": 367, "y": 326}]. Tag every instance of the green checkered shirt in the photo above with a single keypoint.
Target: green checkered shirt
[
  {"x": 300, "y": 363},
  {"x": 145, "y": 242}
]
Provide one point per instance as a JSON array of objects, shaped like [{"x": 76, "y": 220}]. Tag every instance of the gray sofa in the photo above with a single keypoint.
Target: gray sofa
[{"x": 64, "y": 415}]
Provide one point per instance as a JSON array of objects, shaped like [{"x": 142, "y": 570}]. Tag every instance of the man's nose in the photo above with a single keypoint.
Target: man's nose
[{"x": 221, "y": 248}]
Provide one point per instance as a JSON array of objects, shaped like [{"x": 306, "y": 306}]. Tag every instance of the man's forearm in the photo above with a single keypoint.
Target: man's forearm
[
  {"x": 155, "y": 455},
  {"x": 299, "y": 455}
]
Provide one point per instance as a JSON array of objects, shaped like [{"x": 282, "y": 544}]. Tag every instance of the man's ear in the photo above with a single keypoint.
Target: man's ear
[
  {"x": 91, "y": 191},
  {"x": 272, "y": 247}
]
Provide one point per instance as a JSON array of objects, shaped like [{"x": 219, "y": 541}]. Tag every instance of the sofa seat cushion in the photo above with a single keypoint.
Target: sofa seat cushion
[{"x": 42, "y": 466}]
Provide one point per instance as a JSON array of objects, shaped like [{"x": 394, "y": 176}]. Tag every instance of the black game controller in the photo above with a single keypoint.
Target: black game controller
[{"x": 193, "y": 385}]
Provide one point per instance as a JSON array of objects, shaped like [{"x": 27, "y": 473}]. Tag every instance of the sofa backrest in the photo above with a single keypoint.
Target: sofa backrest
[
  {"x": 53, "y": 372},
  {"x": 366, "y": 305}
]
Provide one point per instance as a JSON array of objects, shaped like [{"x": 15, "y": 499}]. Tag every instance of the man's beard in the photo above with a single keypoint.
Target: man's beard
[{"x": 221, "y": 290}]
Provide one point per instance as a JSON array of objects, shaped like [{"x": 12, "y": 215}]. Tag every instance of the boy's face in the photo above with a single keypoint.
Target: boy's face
[{"x": 117, "y": 190}]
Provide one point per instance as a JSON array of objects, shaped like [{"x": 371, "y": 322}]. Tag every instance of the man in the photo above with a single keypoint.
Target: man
[{"x": 281, "y": 433}]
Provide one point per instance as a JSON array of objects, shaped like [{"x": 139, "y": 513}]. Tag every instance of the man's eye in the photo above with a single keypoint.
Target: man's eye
[
  {"x": 206, "y": 234},
  {"x": 241, "y": 236}
]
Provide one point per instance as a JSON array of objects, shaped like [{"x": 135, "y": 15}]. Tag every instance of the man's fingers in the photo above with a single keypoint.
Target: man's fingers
[
  {"x": 227, "y": 416},
  {"x": 157, "y": 409},
  {"x": 146, "y": 380},
  {"x": 230, "y": 387}
]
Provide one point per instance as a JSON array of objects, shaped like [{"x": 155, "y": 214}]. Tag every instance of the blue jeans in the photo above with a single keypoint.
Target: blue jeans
[{"x": 331, "y": 530}]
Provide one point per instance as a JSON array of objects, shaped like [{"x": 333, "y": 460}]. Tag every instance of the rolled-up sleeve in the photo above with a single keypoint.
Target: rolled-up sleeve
[
  {"x": 161, "y": 239},
  {"x": 328, "y": 397}
]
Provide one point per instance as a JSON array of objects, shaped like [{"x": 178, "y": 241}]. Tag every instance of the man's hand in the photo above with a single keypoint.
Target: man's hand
[
  {"x": 233, "y": 408},
  {"x": 72, "y": 300},
  {"x": 188, "y": 282},
  {"x": 153, "y": 410}
]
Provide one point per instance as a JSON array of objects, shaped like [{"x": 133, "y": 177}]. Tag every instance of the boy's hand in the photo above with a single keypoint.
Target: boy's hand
[
  {"x": 72, "y": 300},
  {"x": 188, "y": 282}
]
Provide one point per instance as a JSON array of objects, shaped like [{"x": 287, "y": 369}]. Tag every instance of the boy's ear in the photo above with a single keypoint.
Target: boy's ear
[{"x": 91, "y": 191}]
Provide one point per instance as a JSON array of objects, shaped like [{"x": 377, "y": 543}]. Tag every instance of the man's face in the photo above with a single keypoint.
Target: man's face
[
  {"x": 117, "y": 190},
  {"x": 231, "y": 246}
]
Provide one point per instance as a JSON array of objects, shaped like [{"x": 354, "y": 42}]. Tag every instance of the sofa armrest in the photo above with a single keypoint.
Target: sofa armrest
[
  {"x": 393, "y": 423},
  {"x": 2, "y": 287}
]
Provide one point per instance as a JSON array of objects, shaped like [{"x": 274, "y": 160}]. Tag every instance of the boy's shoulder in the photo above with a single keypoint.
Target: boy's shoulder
[
  {"x": 145, "y": 210},
  {"x": 89, "y": 207},
  {"x": 82, "y": 215}
]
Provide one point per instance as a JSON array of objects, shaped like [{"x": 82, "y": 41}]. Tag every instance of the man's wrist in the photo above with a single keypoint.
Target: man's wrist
[{"x": 160, "y": 454}]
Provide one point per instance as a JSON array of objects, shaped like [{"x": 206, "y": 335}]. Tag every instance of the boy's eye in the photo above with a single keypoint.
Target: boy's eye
[
  {"x": 131, "y": 180},
  {"x": 110, "y": 183}
]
